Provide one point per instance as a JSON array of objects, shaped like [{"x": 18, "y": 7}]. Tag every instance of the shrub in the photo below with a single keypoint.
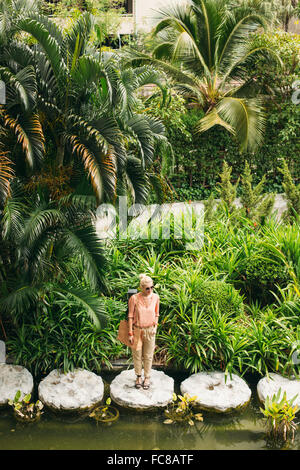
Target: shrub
[
  {"x": 219, "y": 292},
  {"x": 64, "y": 338},
  {"x": 263, "y": 272}
]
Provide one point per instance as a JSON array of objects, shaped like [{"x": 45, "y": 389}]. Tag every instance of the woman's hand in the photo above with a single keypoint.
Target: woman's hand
[{"x": 131, "y": 339}]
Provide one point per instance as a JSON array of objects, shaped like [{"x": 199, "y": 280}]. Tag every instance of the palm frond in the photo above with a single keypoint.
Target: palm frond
[
  {"x": 20, "y": 86},
  {"x": 6, "y": 174},
  {"x": 137, "y": 179},
  {"x": 29, "y": 134},
  {"x": 50, "y": 39},
  {"x": 84, "y": 240},
  {"x": 14, "y": 211},
  {"x": 92, "y": 305},
  {"x": 82, "y": 29},
  {"x": 244, "y": 118},
  {"x": 89, "y": 160}
]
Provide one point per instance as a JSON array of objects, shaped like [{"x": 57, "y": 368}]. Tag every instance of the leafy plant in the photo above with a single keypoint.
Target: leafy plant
[
  {"x": 61, "y": 336},
  {"x": 292, "y": 193},
  {"x": 257, "y": 208},
  {"x": 264, "y": 271},
  {"x": 204, "y": 46},
  {"x": 106, "y": 413},
  {"x": 180, "y": 410},
  {"x": 24, "y": 410},
  {"x": 280, "y": 414},
  {"x": 227, "y": 190},
  {"x": 218, "y": 292}
]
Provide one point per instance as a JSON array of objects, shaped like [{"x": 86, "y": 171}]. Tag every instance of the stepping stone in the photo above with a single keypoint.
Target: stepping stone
[
  {"x": 271, "y": 386},
  {"x": 159, "y": 395},
  {"x": 12, "y": 379},
  {"x": 214, "y": 394},
  {"x": 79, "y": 390}
]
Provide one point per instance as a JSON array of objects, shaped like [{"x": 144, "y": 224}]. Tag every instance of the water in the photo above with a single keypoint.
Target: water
[{"x": 140, "y": 431}]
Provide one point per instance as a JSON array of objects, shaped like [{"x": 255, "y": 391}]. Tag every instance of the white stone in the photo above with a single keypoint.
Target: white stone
[
  {"x": 269, "y": 387},
  {"x": 12, "y": 379},
  {"x": 72, "y": 391},
  {"x": 214, "y": 394},
  {"x": 159, "y": 394}
]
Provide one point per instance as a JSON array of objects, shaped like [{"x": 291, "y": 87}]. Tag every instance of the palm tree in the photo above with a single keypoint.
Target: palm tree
[
  {"x": 142, "y": 133},
  {"x": 51, "y": 86},
  {"x": 204, "y": 46},
  {"x": 43, "y": 243},
  {"x": 67, "y": 108}
]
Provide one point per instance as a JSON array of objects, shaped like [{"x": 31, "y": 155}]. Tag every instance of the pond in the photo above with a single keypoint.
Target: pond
[{"x": 141, "y": 431}]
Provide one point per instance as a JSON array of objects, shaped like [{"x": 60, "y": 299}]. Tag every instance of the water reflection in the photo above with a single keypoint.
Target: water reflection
[{"x": 141, "y": 431}]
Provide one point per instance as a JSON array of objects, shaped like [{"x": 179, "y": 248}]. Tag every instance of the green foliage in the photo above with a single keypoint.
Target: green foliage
[
  {"x": 24, "y": 410},
  {"x": 203, "y": 67},
  {"x": 227, "y": 190},
  {"x": 219, "y": 293},
  {"x": 108, "y": 13},
  {"x": 40, "y": 239},
  {"x": 64, "y": 338},
  {"x": 180, "y": 410},
  {"x": 263, "y": 273},
  {"x": 197, "y": 170},
  {"x": 280, "y": 414},
  {"x": 292, "y": 192},
  {"x": 276, "y": 80},
  {"x": 252, "y": 199}
]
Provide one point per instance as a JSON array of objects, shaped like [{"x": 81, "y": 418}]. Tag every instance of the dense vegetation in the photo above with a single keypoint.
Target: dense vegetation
[{"x": 76, "y": 132}]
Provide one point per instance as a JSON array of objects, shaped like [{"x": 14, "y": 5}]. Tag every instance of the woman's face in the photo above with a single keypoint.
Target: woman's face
[{"x": 147, "y": 288}]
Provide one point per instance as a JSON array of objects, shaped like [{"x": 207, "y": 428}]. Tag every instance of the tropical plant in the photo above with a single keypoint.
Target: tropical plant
[
  {"x": 180, "y": 410},
  {"x": 108, "y": 14},
  {"x": 105, "y": 413},
  {"x": 280, "y": 414},
  {"x": 257, "y": 206},
  {"x": 204, "y": 46},
  {"x": 227, "y": 190},
  {"x": 264, "y": 271},
  {"x": 24, "y": 410},
  {"x": 49, "y": 114},
  {"x": 6, "y": 174},
  {"x": 60, "y": 335},
  {"x": 292, "y": 192},
  {"x": 39, "y": 240},
  {"x": 218, "y": 293},
  {"x": 143, "y": 134}
]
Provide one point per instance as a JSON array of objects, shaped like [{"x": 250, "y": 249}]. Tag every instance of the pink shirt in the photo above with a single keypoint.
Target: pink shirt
[{"x": 143, "y": 316}]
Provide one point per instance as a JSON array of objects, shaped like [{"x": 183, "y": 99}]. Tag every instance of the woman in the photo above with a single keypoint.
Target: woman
[{"x": 143, "y": 313}]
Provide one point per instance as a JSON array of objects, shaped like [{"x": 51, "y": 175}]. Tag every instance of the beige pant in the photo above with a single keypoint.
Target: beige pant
[{"x": 145, "y": 355}]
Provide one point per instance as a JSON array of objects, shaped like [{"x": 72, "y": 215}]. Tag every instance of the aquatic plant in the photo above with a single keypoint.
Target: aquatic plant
[
  {"x": 105, "y": 413},
  {"x": 280, "y": 416},
  {"x": 24, "y": 410},
  {"x": 180, "y": 410}
]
